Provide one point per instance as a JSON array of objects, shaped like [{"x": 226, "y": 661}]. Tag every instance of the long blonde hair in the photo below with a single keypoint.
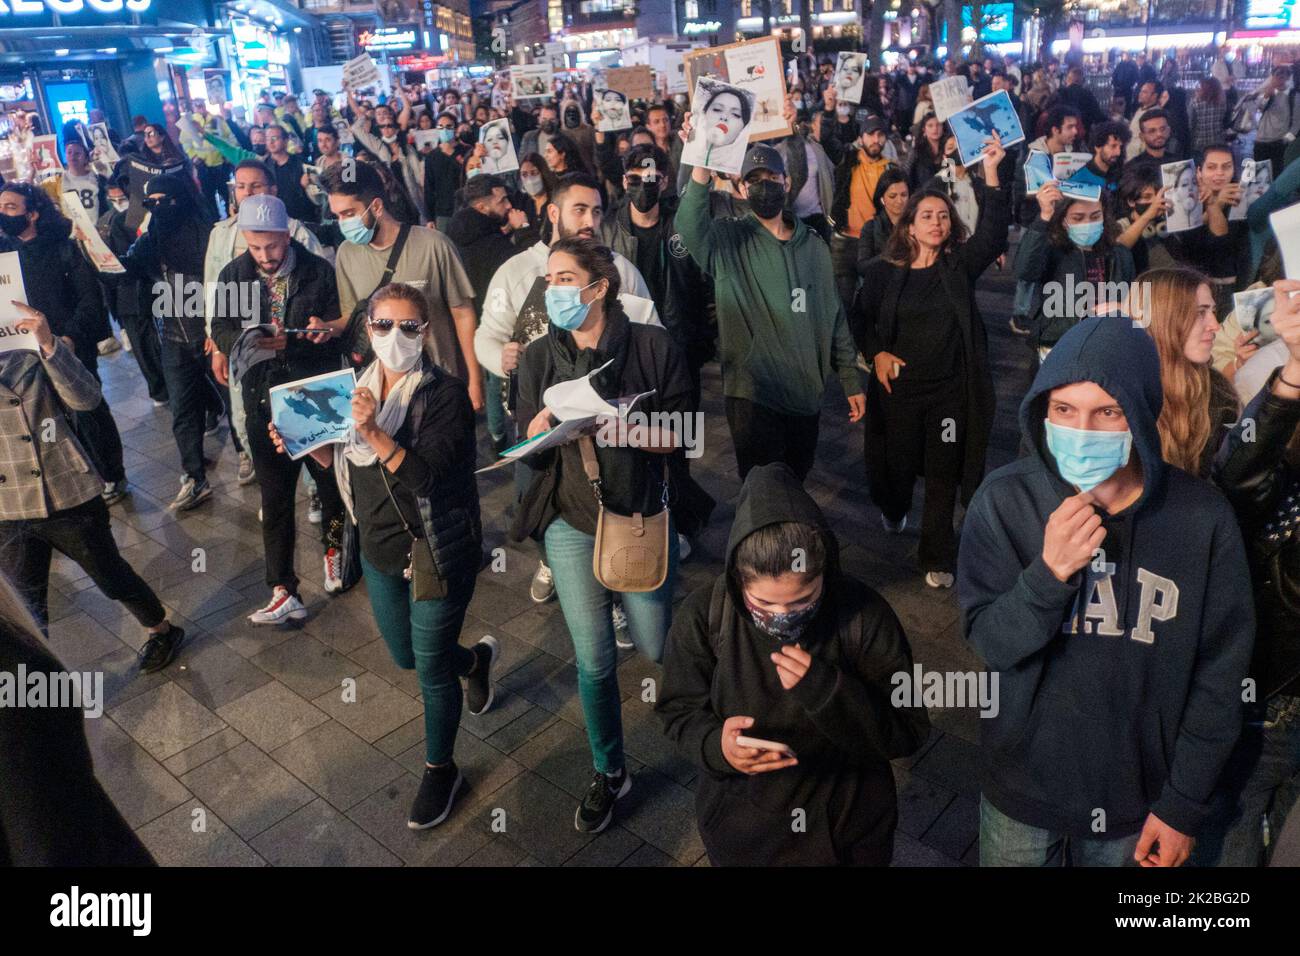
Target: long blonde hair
[{"x": 1184, "y": 422}]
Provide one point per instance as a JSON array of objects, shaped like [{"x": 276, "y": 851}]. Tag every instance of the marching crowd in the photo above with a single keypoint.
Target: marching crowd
[{"x": 1133, "y": 578}]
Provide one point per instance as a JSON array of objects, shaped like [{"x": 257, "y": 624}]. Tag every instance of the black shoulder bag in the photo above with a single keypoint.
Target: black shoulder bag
[
  {"x": 357, "y": 343},
  {"x": 421, "y": 571}
]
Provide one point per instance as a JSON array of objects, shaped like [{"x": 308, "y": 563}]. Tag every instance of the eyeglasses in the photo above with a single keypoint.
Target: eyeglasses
[
  {"x": 387, "y": 126},
  {"x": 410, "y": 327}
]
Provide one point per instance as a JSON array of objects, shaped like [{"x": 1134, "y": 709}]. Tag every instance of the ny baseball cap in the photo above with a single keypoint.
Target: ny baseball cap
[
  {"x": 762, "y": 157},
  {"x": 263, "y": 213}
]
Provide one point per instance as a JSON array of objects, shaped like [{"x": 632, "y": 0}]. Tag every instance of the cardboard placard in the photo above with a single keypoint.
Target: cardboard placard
[
  {"x": 634, "y": 82},
  {"x": 361, "y": 72},
  {"x": 752, "y": 65},
  {"x": 949, "y": 95}
]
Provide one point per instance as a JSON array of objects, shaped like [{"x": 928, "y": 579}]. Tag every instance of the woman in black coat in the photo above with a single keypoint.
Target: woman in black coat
[{"x": 931, "y": 403}]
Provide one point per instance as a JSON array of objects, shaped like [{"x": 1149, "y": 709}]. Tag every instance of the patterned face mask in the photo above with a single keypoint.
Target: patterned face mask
[{"x": 785, "y": 626}]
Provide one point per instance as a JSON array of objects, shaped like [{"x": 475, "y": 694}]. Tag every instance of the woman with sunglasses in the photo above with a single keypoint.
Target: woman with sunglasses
[{"x": 407, "y": 479}]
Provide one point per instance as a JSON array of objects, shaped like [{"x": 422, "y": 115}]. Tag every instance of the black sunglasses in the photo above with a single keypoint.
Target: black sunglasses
[
  {"x": 410, "y": 327},
  {"x": 152, "y": 203}
]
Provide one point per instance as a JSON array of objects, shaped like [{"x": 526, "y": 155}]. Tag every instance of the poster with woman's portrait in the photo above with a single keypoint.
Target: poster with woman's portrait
[
  {"x": 1182, "y": 196},
  {"x": 45, "y": 157},
  {"x": 614, "y": 112},
  {"x": 500, "y": 156},
  {"x": 754, "y": 66},
  {"x": 721, "y": 118},
  {"x": 103, "y": 157},
  {"x": 850, "y": 76}
]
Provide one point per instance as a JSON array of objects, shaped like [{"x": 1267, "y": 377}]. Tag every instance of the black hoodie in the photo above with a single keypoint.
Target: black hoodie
[
  {"x": 1139, "y": 712},
  {"x": 838, "y": 719}
]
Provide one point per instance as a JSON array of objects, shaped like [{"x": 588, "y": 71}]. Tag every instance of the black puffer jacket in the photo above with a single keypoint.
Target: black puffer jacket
[
  {"x": 839, "y": 719},
  {"x": 1262, "y": 481}
]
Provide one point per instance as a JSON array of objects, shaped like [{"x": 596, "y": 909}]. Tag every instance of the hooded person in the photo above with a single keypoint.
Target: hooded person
[
  {"x": 800, "y": 658},
  {"x": 1108, "y": 591}
]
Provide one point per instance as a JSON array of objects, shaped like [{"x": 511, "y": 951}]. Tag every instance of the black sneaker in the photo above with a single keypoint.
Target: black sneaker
[
  {"x": 160, "y": 650},
  {"x": 479, "y": 692},
  {"x": 437, "y": 793},
  {"x": 597, "y": 807},
  {"x": 114, "y": 491}
]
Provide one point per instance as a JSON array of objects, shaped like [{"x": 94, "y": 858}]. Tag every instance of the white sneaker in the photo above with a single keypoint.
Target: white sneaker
[
  {"x": 333, "y": 571},
  {"x": 892, "y": 527},
  {"x": 543, "y": 587},
  {"x": 621, "y": 636},
  {"x": 938, "y": 579},
  {"x": 283, "y": 607}
]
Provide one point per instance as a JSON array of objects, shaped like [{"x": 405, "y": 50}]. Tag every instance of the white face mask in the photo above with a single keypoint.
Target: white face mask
[
  {"x": 397, "y": 350},
  {"x": 121, "y": 205}
]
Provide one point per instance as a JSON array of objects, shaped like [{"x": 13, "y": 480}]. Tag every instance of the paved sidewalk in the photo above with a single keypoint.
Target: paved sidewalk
[{"x": 249, "y": 726}]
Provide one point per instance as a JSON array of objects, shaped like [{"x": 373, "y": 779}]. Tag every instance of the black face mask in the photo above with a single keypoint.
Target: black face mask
[
  {"x": 644, "y": 196},
  {"x": 549, "y": 126},
  {"x": 572, "y": 118},
  {"x": 259, "y": 148},
  {"x": 1142, "y": 208},
  {"x": 13, "y": 225},
  {"x": 766, "y": 198},
  {"x": 467, "y": 137}
]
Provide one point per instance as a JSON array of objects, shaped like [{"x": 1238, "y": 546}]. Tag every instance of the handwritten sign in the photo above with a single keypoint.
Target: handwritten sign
[
  {"x": 634, "y": 82},
  {"x": 361, "y": 72},
  {"x": 950, "y": 95},
  {"x": 11, "y": 289}
]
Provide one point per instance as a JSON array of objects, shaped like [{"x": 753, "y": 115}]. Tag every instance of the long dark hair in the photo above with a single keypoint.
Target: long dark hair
[
  {"x": 902, "y": 248},
  {"x": 52, "y": 224},
  {"x": 1057, "y": 235},
  {"x": 171, "y": 153},
  {"x": 573, "y": 161},
  {"x": 548, "y": 177},
  {"x": 594, "y": 259}
]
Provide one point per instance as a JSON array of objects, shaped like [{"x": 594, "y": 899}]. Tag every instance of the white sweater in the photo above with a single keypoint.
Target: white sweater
[{"x": 510, "y": 287}]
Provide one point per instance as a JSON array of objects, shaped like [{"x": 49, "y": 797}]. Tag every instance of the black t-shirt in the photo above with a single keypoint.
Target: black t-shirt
[
  {"x": 384, "y": 539},
  {"x": 927, "y": 330},
  {"x": 288, "y": 186},
  {"x": 649, "y": 258}
]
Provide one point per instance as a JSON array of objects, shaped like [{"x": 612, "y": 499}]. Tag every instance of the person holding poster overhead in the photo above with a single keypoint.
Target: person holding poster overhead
[
  {"x": 781, "y": 326},
  {"x": 724, "y": 114},
  {"x": 407, "y": 479},
  {"x": 50, "y": 495}
]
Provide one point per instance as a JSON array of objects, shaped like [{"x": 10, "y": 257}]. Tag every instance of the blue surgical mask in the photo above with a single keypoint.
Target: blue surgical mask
[
  {"x": 355, "y": 229},
  {"x": 1086, "y": 458},
  {"x": 471, "y": 173},
  {"x": 1085, "y": 234},
  {"x": 446, "y": 134},
  {"x": 564, "y": 306}
]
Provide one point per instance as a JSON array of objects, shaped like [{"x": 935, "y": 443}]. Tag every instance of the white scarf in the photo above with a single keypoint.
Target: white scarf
[{"x": 389, "y": 419}]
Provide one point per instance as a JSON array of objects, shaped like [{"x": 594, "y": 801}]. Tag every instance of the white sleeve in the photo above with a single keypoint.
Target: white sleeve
[{"x": 497, "y": 323}]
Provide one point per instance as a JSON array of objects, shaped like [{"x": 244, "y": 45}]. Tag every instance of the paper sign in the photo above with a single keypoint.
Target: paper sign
[
  {"x": 1286, "y": 227},
  {"x": 754, "y": 66},
  {"x": 973, "y": 124},
  {"x": 1038, "y": 171},
  {"x": 531, "y": 81},
  {"x": 950, "y": 95},
  {"x": 1183, "y": 196},
  {"x": 360, "y": 72},
  {"x": 103, "y": 157},
  {"x": 850, "y": 77},
  {"x": 426, "y": 137},
  {"x": 500, "y": 156},
  {"x": 1256, "y": 178},
  {"x": 315, "y": 411},
  {"x": 12, "y": 288},
  {"x": 634, "y": 82},
  {"x": 555, "y": 53},
  {"x": 675, "y": 68},
  {"x": 216, "y": 86},
  {"x": 721, "y": 118},
  {"x": 91, "y": 242},
  {"x": 1254, "y": 309},
  {"x": 1065, "y": 165},
  {"x": 45, "y": 157},
  {"x": 613, "y": 109}
]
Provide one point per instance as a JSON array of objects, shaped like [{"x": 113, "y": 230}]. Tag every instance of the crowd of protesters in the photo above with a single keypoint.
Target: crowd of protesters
[{"x": 1133, "y": 577}]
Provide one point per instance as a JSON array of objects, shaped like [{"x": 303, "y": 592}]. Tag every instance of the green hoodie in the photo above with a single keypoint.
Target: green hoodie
[{"x": 781, "y": 326}]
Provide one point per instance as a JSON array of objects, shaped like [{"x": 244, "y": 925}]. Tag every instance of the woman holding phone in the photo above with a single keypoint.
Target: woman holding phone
[
  {"x": 777, "y": 686},
  {"x": 407, "y": 479}
]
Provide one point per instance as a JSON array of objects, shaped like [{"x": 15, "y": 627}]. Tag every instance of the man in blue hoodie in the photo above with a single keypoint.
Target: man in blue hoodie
[{"x": 1110, "y": 592}]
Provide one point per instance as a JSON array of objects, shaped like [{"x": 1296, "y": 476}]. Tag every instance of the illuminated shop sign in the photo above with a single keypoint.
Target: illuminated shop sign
[
  {"x": 66, "y": 7},
  {"x": 387, "y": 38},
  {"x": 705, "y": 26}
]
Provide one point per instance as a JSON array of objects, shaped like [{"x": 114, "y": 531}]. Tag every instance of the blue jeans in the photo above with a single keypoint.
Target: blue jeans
[
  {"x": 1008, "y": 842},
  {"x": 586, "y": 606},
  {"x": 496, "y": 409},
  {"x": 424, "y": 636},
  {"x": 1261, "y": 781}
]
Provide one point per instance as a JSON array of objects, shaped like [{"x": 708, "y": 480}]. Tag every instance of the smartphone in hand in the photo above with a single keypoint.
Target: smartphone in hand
[{"x": 760, "y": 744}]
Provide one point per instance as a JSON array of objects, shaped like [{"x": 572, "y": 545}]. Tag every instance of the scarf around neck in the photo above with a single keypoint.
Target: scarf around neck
[{"x": 389, "y": 418}]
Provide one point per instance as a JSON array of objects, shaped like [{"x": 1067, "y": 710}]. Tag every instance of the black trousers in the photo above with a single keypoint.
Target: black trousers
[
  {"x": 212, "y": 180},
  {"x": 97, "y": 430},
  {"x": 277, "y": 476},
  {"x": 761, "y": 436},
  {"x": 83, "y": 534},
  {"x": 1273, "y": 152},
  {"x": 924, "y": 435},
  {"x": 147, "y": 349}
]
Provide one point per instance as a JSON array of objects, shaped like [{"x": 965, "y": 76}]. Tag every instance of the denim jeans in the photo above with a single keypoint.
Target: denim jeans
[
  {"x": 1261, "y": 782},
  {"x": 1008, "y": 842},
  {"x": 496, "y": 409},
  {"x": 587, "y": 606},
  {"x": 424, "y": 636},
  {"x": 188, "y": 393}
]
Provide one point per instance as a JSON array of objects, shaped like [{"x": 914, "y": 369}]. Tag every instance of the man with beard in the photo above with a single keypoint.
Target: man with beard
[
  {"x": 297, "y": 291},
  {"x": 514, "y": 310},
  {"x": 853, "y": 209},
  {"x": 165, "y": 258}
]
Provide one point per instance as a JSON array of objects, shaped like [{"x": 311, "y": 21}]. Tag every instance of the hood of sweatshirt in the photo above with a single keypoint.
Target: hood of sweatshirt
[
  {"x": 1122, "y": 360},
  {"x": 772, "y": 494},
  {"x": 469, "y": 225}
]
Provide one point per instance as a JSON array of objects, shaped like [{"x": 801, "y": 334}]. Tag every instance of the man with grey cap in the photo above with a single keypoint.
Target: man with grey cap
[
  {"x": 295, "y": 314},
  {"x": 782, "y": 330}
]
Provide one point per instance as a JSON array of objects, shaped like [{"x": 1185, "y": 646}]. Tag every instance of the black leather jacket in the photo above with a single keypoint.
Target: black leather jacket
[{"x": 1263, "y": 484}]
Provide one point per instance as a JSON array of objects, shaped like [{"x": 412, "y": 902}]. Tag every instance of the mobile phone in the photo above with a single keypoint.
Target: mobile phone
[{"x": 760, "y": 744}]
